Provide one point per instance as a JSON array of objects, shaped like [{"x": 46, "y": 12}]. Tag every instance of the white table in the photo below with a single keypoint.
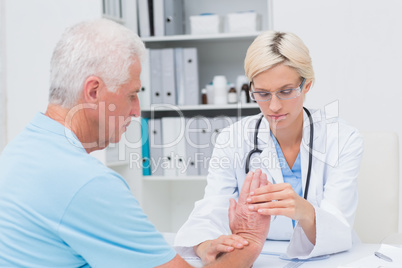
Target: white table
[{"x": 264, "y": 260}]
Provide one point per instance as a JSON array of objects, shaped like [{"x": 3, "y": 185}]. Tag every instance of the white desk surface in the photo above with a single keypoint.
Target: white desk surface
[{"x": 267, "y": 261}]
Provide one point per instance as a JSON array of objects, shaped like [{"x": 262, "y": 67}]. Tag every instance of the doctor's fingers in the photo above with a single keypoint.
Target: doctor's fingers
[
  {"x": 287, "y": 212},
  {"x": 271, "y": 188},
  {"x": 283, "y": 207},
  {"x": 270, "y": 195}
]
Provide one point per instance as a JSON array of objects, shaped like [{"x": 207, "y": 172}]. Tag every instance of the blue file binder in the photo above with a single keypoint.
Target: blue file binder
[{"x": 146, "y": 164}]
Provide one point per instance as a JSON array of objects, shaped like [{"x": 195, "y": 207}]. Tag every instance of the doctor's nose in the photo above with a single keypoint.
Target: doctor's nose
[{"x": 275, "y": 104}]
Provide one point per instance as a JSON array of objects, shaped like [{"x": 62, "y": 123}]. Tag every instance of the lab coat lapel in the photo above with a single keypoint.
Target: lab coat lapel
[
  {"x": 304, "y": 158},
  {"x": 269, "y": 157}
]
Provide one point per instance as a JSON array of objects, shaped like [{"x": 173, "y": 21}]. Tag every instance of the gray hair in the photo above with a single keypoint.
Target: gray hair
[
  {"x": 271, "y": 48},
  {"x": 101, "y": 48}
]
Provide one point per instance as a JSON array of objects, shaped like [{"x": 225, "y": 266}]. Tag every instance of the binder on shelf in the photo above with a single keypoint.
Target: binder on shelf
[
  {"x": 193, "y": 159},
  {"x": 145, "y": 77},
  {"x": 168, "y": 139},
  {"x": 204, "y": 126},
  {"x": 158, "y": 15},
  {"x": 181, "y": 148},
  {"x": 129, "y": 14},
  {"x": 144, "y": 18},
  {"x": 174, "y": 19},
  {"x": 106, "y": 8},
  {"x": 218, "y": 124},
  {"x": 173, "y": 146},
  {"x": 155, "y": 146},
  {"x": 146, "y": 167},
  {"x": 117, "y": 11},
  {"x": 151, "y": 17},
  {"x": 168, "y": 76},
  {"x": 111, "y": 8},
  {"x": 156, "y": 76},
  {"x": 191, "y": 85},
  {"x": 179, "y": 73}
]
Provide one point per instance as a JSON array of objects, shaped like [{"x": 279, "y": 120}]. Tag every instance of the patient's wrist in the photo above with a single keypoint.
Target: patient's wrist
[{"x": 256, "y": 240}]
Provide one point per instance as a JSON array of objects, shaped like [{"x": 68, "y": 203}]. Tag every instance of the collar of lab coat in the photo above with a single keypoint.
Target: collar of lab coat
[{"x": 264, "y": 136}]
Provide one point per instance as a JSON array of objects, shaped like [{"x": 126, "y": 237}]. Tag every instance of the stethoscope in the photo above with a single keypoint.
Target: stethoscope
[{"x": 256, "y": 150}]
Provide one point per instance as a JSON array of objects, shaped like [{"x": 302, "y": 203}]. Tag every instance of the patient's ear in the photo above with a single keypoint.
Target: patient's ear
[{"x": 92, "y": 87}]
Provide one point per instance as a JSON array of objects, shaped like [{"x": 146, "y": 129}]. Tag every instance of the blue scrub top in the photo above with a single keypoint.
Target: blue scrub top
[{"x": 291, "y": 176}]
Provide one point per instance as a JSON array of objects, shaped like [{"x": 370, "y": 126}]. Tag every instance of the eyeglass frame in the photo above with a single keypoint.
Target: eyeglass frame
[{"x": 300, "y": 88}]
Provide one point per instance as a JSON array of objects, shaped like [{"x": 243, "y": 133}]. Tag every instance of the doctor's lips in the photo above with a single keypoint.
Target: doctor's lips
[{"x": 277, "y": 117}]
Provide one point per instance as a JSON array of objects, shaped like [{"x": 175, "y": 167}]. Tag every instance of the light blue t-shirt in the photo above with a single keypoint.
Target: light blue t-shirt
[
  {"x": 291, "y": 176},
  {"x": 61, "y": 207}
]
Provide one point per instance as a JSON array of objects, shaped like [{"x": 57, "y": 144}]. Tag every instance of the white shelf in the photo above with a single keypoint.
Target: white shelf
[
  {"x": 183, "y": 178},
  {"x": 207, "y": 37},
  {"x": 165, "y": 107},
  {"x": 166, "y": 110}
]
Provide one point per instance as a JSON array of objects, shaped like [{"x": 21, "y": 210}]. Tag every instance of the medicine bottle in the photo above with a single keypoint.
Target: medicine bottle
[
  {"x": 232, "y": 94},
  {"x": 245, "y": 89},
  {"x": 204, "y": 97},
  {"x": 220, "y": 90}
]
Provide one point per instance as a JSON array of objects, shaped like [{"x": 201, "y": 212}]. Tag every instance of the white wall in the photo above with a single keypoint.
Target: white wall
[
  {"x": 3, "y": 130},
  {"x": 356, "y": 47},
  {"x": 32, "y": 30}
]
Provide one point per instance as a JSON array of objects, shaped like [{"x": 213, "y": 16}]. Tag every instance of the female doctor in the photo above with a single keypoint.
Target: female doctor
[{"x": 311, "y": 159}]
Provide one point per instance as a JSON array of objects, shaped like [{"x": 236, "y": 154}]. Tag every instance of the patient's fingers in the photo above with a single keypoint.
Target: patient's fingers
[
  {"x": 245, "y": 190},
  {"x": 255, "y": 183},
  {"x": 263, "y": 179}
]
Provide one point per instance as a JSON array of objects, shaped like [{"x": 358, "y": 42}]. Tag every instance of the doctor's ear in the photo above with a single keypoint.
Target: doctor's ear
[{"x": 307, "y": 86}]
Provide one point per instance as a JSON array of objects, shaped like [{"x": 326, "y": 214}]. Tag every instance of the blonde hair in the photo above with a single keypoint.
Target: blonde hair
[{"x": 271, "y": 48}]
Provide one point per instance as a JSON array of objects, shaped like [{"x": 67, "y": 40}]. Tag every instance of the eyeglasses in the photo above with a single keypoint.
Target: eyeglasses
[{"x": 284, "y": 94}]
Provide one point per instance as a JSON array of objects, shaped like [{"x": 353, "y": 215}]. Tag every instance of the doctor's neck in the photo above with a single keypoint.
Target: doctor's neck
[{"x": 291, "y": 135}]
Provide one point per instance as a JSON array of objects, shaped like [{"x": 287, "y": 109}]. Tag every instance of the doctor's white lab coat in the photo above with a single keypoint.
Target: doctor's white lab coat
[{"x": 337, "y": 154}]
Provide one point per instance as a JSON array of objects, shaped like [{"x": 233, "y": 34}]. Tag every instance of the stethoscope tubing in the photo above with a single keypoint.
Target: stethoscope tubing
[{"x": 310, "y": 159}]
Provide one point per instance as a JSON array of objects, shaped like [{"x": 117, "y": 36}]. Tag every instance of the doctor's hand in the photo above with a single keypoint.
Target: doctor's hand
[{"x": 281, "y": 199}]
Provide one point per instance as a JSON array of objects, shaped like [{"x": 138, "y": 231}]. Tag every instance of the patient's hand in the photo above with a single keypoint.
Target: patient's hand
[
  {"x": 251, "y": 225},
  {"x": 210, "y": 250},
  {"x": 246, "y": 225}
]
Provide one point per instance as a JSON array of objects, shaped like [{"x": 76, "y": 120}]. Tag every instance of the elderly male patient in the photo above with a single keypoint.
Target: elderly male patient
[{"x": 59, "y": 206}]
